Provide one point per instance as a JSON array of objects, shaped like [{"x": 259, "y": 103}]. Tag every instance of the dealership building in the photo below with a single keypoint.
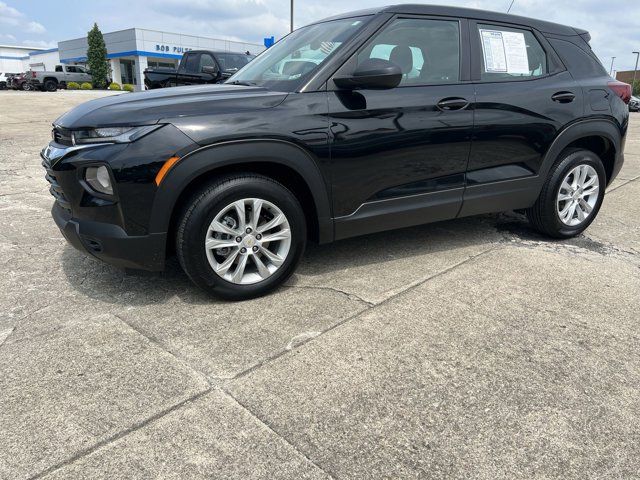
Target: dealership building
[{"x": 129, "y": 52}]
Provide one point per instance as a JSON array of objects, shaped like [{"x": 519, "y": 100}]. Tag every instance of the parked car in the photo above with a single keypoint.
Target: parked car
[
  {"x": 197, "y": 67},
  {"x": 9, "y": 79},
  {"x": 63, "y": 74},
  {"x": 634, "y": 104},
  {"x": 4, "y": 80},
  {"x": 392, "y": 117},
  {"x": 19, "y": 81}
]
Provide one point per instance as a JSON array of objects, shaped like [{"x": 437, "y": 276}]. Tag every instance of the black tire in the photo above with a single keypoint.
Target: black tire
[
  {"x": 25, "y": 87},
  {"x": 544, "y": 216},
  {"x": 50, "y": 85},
  {"x": 203, "y": 208}
]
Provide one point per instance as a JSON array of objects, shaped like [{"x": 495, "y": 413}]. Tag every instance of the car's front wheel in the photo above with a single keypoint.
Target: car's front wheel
[
  {"x": 241, "y": 236},
  {"x": 571, "y": 197}
]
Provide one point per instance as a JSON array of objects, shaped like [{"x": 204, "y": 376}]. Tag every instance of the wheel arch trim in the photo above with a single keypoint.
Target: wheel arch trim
[
  {"x": 599, "y": 127},
  {"x": 206, "y": 159}
]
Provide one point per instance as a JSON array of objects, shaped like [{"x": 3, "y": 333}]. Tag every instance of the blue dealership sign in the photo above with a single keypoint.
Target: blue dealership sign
[{"x": 269, "y": 41}]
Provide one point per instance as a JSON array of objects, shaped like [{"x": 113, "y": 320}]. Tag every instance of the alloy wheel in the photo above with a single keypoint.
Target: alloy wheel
[
  {"x": 578, "y": 195},
  {"x": 248, "y": 241}
]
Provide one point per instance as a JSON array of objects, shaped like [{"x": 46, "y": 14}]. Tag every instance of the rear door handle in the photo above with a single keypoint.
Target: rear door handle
[
  {"x": 564, "y": 97},
  {"x": 449, "y": 104}
]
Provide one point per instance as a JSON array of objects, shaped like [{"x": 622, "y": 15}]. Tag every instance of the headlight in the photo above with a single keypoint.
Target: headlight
[
  {"x": 112, "y": 134},
  {"x": 99, "y": 179}
]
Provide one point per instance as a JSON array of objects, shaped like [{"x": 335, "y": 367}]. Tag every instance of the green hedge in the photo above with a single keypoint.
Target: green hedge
[
  {"x": 73, "y": 86},
  {"x": 128, "y": 87},
  {"x": 115, "y": 86},
  {"x": 86, "y": 86}
]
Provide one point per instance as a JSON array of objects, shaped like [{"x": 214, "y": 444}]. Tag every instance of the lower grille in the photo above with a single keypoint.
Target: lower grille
[{"x": 55, "y": 189}]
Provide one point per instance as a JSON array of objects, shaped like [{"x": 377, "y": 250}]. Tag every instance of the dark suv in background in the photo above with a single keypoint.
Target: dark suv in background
[
  {"x": 365, "y": 122},
  {"x": 197, "y": 67}
]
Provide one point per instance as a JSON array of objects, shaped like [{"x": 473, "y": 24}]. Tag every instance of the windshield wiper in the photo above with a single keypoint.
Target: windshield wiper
[{"x": 240, "y": 82}]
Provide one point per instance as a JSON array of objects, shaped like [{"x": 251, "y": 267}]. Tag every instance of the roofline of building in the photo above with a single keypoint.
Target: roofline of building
[
  {"x": 42, "y": 52},
  {"x": 139, "y": 53},
  {"x": 26, "y": 47},
  {"x": 170, "y": 33}
]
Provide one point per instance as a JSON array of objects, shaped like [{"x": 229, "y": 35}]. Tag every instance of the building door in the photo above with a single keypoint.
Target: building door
[{"x": 126, "y": 71}]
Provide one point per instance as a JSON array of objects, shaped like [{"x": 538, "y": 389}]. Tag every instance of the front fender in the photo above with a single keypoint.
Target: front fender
[{"x": 237, "y": 152}]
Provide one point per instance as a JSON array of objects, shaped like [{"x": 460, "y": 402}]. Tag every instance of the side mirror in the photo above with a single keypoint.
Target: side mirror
[
  {"x": 211, "y": 70},
  {"x": 373, "y": 73}
]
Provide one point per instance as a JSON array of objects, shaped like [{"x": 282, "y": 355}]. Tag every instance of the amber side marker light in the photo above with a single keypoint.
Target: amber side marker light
[{"x": 165, "y": 169}]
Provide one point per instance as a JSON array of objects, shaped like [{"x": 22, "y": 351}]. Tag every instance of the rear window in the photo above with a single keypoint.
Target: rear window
[{"x": 581, "y": 64}]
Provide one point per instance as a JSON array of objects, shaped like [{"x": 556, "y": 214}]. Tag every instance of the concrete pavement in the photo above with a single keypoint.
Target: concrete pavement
[{"x": 465, "y": 349}]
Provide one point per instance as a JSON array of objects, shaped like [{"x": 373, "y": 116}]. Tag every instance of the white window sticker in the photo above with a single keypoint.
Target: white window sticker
[
  {"x": 504, "y": 52},
  {"x": 495, "y": 59}
]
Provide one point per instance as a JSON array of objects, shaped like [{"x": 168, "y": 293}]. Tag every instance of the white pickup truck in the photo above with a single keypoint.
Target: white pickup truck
[{"x": 63, "y": 74}]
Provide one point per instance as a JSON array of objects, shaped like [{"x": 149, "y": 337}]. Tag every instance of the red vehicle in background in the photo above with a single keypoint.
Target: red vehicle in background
[{"x": 19, "y": 81}]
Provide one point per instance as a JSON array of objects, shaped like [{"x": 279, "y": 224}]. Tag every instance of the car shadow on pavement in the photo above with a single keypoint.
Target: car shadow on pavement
[{"x": 100, "y": 281}]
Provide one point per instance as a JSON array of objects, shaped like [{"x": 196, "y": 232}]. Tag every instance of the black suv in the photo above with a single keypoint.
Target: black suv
[{"x": 360, "y": 123}]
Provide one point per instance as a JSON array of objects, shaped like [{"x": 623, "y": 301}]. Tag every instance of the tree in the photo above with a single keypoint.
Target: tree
[
  {"x": 97, "y": 57},
  {"x": 636, "y": 88}
]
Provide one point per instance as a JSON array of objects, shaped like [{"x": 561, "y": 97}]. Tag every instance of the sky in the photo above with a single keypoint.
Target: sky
[{"x": 614, "y": 25}]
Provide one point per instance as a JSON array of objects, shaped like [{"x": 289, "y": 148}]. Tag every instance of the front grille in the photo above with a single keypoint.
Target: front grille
[
  {"x": 62, "y": 135},
  {"x": 55, "y": 189}
]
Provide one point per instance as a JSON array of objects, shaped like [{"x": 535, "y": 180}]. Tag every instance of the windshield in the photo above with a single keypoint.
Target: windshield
[
  {"x": 285, "y": 65},
  {"x": 233, "y": 61}
]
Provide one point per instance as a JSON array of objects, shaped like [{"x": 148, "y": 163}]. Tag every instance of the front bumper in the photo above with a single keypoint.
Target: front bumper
[
  {"x": 113, "y": 228},
  {"x": 110, "y": 243}
]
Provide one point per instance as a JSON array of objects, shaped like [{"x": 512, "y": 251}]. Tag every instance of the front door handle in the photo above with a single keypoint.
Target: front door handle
[
  {"x": 564, "y": 97},
  {"x": 449, "y": 104}
]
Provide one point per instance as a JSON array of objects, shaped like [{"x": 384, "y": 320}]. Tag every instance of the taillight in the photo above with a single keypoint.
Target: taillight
[{"x": 623, "y": 90}]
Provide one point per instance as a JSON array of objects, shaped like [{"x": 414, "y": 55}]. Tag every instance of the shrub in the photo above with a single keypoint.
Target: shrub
[
  {"x": 128, "y": 87},
  {"x": 115, "y": 86},
  {"x": 86, "y": 86},
  {"x": 73, "y": 86}
]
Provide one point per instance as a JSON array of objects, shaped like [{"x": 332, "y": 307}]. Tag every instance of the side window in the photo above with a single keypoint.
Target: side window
[
  {"x": 191, "y": 63},
  {"x": 510, "y": 54},
  {"x": 427, "y": 51},
  {"x": 580, "y": 63},
  {"x": 58, "y": 68},
  {"x": 72, "y": 70},
  {"x": 206, "y": 60}
]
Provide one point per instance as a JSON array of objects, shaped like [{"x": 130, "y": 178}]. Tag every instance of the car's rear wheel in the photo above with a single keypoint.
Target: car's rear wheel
[
  {"x": 26, "y": 87},
  {"x": 571, "y": 197},
  {"x": 241, "y": 237}
]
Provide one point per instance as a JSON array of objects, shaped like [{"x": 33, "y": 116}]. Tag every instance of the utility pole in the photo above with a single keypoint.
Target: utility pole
[
  {"x": 635, "y": 71},
  {"x": 613, "y": 59},
  {"x": 291, "y": 27}
]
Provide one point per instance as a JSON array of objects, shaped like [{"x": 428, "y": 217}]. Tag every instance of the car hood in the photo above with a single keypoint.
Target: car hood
[{"x": 147, "y": 108}]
